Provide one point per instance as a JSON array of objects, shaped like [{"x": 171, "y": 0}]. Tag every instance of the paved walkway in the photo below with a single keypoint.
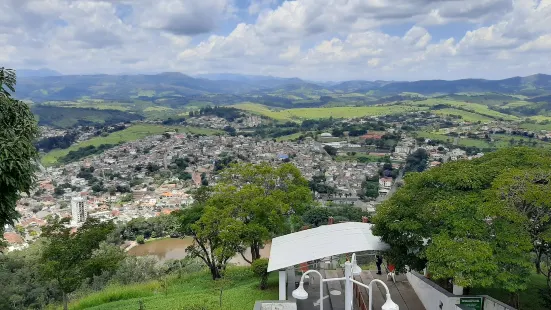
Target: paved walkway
[{"x": 333, "y": 294}]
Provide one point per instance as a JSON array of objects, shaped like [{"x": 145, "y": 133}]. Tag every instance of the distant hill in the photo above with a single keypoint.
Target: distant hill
[
  {"x": 174, "y": 86},
  {"x": 21, "y": 73},
  {"x": 530, "y": 86},
  {"x": 61, "y": 117}
]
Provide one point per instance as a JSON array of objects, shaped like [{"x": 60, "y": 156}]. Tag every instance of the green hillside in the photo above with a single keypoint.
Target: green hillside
[
  {"x": 132, "y": 133},
  {"x": 239, "y": 290},
  {"x": 67, "y": 117}
]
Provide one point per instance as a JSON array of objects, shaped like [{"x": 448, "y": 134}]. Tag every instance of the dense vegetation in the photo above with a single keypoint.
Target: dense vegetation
[
  {"x": 85, "y": 151},
  {"x": 17, "y": 152},
  {"x": 482, "y": 223},
  {"x": 62, "y": 117}
]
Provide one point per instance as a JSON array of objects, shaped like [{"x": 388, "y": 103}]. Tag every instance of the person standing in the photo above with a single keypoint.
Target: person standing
[{"x": 379, "y": 262}]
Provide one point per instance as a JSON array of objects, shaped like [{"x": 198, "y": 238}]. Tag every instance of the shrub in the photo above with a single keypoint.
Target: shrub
[
  {"x": 140, "y": 239},
  {"x": 260, "y": 269}
]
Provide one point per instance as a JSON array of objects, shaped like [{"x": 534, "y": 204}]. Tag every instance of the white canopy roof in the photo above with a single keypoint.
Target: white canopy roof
[{"x": 324, "y": 241}]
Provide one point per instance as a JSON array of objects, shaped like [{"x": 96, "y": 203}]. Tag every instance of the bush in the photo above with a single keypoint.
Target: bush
[
  {"x": 140, "y": 239},
  {"x": 260, "y": 269}
]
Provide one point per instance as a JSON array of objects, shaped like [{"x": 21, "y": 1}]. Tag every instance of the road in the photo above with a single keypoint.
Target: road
[{"x": 381, "y": 199}]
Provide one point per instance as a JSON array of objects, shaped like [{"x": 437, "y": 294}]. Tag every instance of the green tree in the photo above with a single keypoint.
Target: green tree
[
  {"x": 262, "y": 197},
  {"x": 457, "y": 221},
  {"x": 17, "y": 152},
  {"x": 527, "y": 192},
  {"x": 68, "y": 258},
  {"x": 331, "y": 150},
  {"x": 7, "y": 82},
  {"x": 260, "y": 269},
  {"x": 216, "y": 239},
  {"x": 140, "y": 239},
  {"x": 316, "y": 216}
]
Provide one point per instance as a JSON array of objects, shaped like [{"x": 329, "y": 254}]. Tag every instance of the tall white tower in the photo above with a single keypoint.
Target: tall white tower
[{"x": 79, "y": 211}]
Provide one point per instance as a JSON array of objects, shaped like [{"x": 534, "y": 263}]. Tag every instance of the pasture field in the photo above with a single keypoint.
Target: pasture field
[
  {"x": 131, "y": 133},
  {"x": 335, "y": 112},
  {"x": 471, "y": 107},
  {"x": 466, "y": 116}
]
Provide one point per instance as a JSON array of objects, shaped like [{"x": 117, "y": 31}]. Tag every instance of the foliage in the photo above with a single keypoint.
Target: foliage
[
  {"x": 158, "y": 226},
  {"x": 261, "y": 197},
  {"x": 68, "y": 258},
  {"x": 22, "y": 284},
  {"x": 439, "y": 214},
  {"x": 371, "y": 187},
  {"x": 260, "y": 269},
  {"x": 417, "y": 161},
  {"x": 85, "y": 152},
  {"x": 192, "y": 291},
  {"x": 318, "y": 216},
  {"x": 17, "y": 152},
  {"x": 57, "y": 142},
  {"x": 63, "y": 117},
  {"x": 332, "y": 151},
  {"x": 526, "y": 191},
  {"x": 140, "y": 239},
  {"x": 216, "y": 239},
  {"x": 7, "y": 82}
]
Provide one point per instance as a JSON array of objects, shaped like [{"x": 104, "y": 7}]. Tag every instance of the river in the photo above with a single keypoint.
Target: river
[{"x": 174, "y": 248}]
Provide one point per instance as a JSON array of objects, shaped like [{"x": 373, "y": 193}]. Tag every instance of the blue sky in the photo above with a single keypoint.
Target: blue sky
[{"x": 311, "y": 39}]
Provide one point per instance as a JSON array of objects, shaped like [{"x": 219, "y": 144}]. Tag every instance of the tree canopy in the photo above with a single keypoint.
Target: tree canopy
[
  {"x": 249, "y": 204},
  {"x": 470, "y": 220},
  {"x": 69, "y": 258},
  {"x": 17, "y": 152}
]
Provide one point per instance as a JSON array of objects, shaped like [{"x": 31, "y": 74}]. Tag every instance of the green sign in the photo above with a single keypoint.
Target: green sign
[{"x": 474, "y": 303}]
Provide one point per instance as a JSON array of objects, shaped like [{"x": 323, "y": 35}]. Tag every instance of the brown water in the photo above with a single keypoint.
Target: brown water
[{"x": 173, "y": 248}]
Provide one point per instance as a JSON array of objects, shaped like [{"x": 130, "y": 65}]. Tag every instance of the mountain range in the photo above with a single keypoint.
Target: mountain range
[{"x": 45, "y": 85}]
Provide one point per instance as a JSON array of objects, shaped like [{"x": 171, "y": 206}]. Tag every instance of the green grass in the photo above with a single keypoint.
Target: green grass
[
  {"x": 471, "y": 107},
  {"x": 540, "y": 118},
  {"x": 262, "y": 110},
  {"x": 467, "y": 116},
  {"x": 500, "y": 141},
  {"x": 535, "y": 127},
  {"x": 335, "y": 112},
  {"x": 132, "y": 133},
  {"x": 530, "y": 299},
  {"x": 289, "y": 137},
  {"x": 193, "y": 291}
]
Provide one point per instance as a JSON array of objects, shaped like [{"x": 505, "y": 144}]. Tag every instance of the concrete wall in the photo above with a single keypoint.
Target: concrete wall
[
  {"x": 494, "y": 304},
  {"x": 431, "y": 295},
  {"x": 434, "y": 297}
]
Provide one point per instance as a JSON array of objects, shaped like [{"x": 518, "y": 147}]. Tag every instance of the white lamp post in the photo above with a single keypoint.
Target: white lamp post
[{"x": 350, "y": 268}]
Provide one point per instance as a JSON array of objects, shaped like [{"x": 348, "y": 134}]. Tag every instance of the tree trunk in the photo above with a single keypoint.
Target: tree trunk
[
  {"x": 215, "y": 273},
  {"x": 255, "y": 251},
  {"x": 539, "y": 254},
  {"x": 65, "y": 302}
]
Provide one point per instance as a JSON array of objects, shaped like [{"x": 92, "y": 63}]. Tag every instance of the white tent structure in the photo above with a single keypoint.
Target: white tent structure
[{"x": 320, "y": 242}]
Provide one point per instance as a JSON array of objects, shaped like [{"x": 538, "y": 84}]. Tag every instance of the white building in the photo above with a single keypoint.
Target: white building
[{"x": 79, "y": 211}]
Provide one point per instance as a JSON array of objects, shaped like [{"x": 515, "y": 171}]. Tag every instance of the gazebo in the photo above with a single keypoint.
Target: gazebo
[{"x": 317, "y": 243}]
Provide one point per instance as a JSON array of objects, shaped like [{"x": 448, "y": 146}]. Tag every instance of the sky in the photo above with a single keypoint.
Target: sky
[{"x": 323, "y": 40}]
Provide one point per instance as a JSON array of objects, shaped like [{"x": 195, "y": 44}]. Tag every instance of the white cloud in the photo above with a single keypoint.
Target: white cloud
[{"x": 316, "y": 39}]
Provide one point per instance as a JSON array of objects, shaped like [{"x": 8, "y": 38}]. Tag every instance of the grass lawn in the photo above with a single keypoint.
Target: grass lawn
[
  {"x": 530, "y": 299},
  {"x": 193, "y": 291},
  {"x": 132, "y": 133}
]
